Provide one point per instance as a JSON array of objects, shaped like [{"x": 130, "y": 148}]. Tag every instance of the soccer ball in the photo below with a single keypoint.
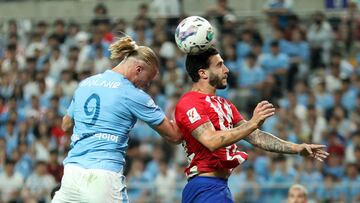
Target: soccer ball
[{"x": 194, "y": 35}]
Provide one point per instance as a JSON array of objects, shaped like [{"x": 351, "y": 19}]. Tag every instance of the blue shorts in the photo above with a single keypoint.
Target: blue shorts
[{"x": 202, "y": 189}]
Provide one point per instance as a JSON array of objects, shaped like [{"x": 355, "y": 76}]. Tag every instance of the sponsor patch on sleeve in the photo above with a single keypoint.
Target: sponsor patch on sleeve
[{"x": 193, "y": 115}]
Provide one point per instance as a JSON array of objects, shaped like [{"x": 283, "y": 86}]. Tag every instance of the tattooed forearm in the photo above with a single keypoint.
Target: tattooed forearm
[{"x": 269, "y": 142}]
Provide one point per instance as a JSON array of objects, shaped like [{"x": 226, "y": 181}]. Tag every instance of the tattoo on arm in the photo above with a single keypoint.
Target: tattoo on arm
[
  {"x": 201, "y": 129},
  {"x": 269, "y": 142},
  {"x": 214, "y": 139},
  {"x": 222, "y": 137}
]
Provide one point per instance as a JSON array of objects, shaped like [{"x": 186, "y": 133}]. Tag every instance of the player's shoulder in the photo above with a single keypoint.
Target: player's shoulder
[
  {"x": 227, "y": 100},
  {"x": 132, "y": 91},
  {"x": 90, "y": 81},
  {"x": 189, "y": 101},
  {"x": 137, "y": 95},
  {"x": 189, "y": 98}
]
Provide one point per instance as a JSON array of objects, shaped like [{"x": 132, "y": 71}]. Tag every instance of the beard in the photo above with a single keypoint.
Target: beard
[{"x": 216, "y": 81}]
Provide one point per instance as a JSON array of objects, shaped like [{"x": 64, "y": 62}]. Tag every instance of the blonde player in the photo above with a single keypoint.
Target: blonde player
[{"x": 104, "y": 109}]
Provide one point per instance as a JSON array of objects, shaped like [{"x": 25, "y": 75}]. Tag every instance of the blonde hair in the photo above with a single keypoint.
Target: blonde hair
[
  {"x": 299, "y": 187},
  {"x": 126, "y": 47}
]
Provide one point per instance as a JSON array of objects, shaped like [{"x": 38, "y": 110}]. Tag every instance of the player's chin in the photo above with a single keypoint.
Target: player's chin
[
  {"x": 222, "y": 86},
  {"x": 225, "y": 83}
]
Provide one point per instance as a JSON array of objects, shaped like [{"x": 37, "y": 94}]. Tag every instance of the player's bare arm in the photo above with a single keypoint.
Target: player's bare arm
[
  {"x": 67, "y": 124},
  {"x": 169, "y": 131},
  {"x": 213, "y": 140},
  {"x": 269, "y": 142}
]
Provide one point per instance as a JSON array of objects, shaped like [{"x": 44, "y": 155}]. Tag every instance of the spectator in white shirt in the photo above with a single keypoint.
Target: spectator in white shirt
[
  {"x": 40, "y": 184},
  {"x": 165, "y": 183},
  {"x": 58, "y": 63},
  {"x": 10, "y": 182},
  {"x": 68, "y": 84},
  {"x": 101, "y": 63},
  {"x": 12, "y": 59},
  {"x": 320, "y": 39}
]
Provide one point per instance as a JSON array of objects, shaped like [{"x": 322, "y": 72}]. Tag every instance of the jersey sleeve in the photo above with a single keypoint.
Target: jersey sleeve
[
  {"x": 142, "y": 106},
  {"x": 237, "y": 117},
  {"x": 190, "y": 114}
]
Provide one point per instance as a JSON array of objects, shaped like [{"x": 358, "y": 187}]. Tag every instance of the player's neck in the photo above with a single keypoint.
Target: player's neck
[
  {"x": 121, "y": 69},
  {"x": 204, "y": 88}
]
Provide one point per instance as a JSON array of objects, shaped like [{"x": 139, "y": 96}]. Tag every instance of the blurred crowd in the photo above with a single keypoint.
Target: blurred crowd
[{"x": 309, "y": 67}]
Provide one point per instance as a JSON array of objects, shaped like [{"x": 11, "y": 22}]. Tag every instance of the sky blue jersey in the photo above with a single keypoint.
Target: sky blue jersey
[{"x": 104, "y": 108}]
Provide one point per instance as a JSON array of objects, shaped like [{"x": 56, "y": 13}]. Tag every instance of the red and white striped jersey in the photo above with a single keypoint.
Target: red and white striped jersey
[{"x": 194, "y": 109}]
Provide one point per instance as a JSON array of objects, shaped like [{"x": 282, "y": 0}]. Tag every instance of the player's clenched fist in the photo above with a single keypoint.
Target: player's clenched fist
[{"x": 262, "y": 111}]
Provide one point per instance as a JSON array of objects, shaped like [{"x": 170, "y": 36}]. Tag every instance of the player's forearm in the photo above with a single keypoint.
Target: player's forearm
[
  {"x": 67, "y": 124},
  {"x": 228, "y": 137},
  {"x": 269, "y": 142},
  {"x": 169, "y": 131}
]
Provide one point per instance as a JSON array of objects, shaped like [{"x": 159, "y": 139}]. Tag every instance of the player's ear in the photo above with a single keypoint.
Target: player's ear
[
  {"x": 203, "y": 73},
  {"x": 139, "y": 69}
]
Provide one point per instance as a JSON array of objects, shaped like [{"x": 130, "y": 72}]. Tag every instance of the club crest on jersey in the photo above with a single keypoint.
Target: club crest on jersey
[{"x": 193, "y": 115}]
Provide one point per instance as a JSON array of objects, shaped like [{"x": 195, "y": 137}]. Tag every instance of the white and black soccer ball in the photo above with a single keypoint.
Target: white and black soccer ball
[{"x": 194, "y": 35}]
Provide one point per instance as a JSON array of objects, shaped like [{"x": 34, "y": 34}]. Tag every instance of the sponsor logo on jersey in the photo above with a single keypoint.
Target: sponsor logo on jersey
[{"x": 193, "y": 115}]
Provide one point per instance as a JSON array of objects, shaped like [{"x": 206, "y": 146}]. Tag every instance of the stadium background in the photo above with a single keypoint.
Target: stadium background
[{"x": 47, "y": 47}]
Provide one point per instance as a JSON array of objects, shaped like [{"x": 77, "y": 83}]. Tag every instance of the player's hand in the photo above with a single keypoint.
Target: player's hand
[
  {"x": 262, "y": 111},
  {"x": 313, "y": 150}
]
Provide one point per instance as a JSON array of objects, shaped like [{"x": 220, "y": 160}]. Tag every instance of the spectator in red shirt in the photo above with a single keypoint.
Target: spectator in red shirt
[{"x": 53, "y": 167}]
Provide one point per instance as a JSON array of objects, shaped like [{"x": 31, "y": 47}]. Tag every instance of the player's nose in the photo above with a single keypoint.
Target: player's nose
[{"x": 226, "y": 69}]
